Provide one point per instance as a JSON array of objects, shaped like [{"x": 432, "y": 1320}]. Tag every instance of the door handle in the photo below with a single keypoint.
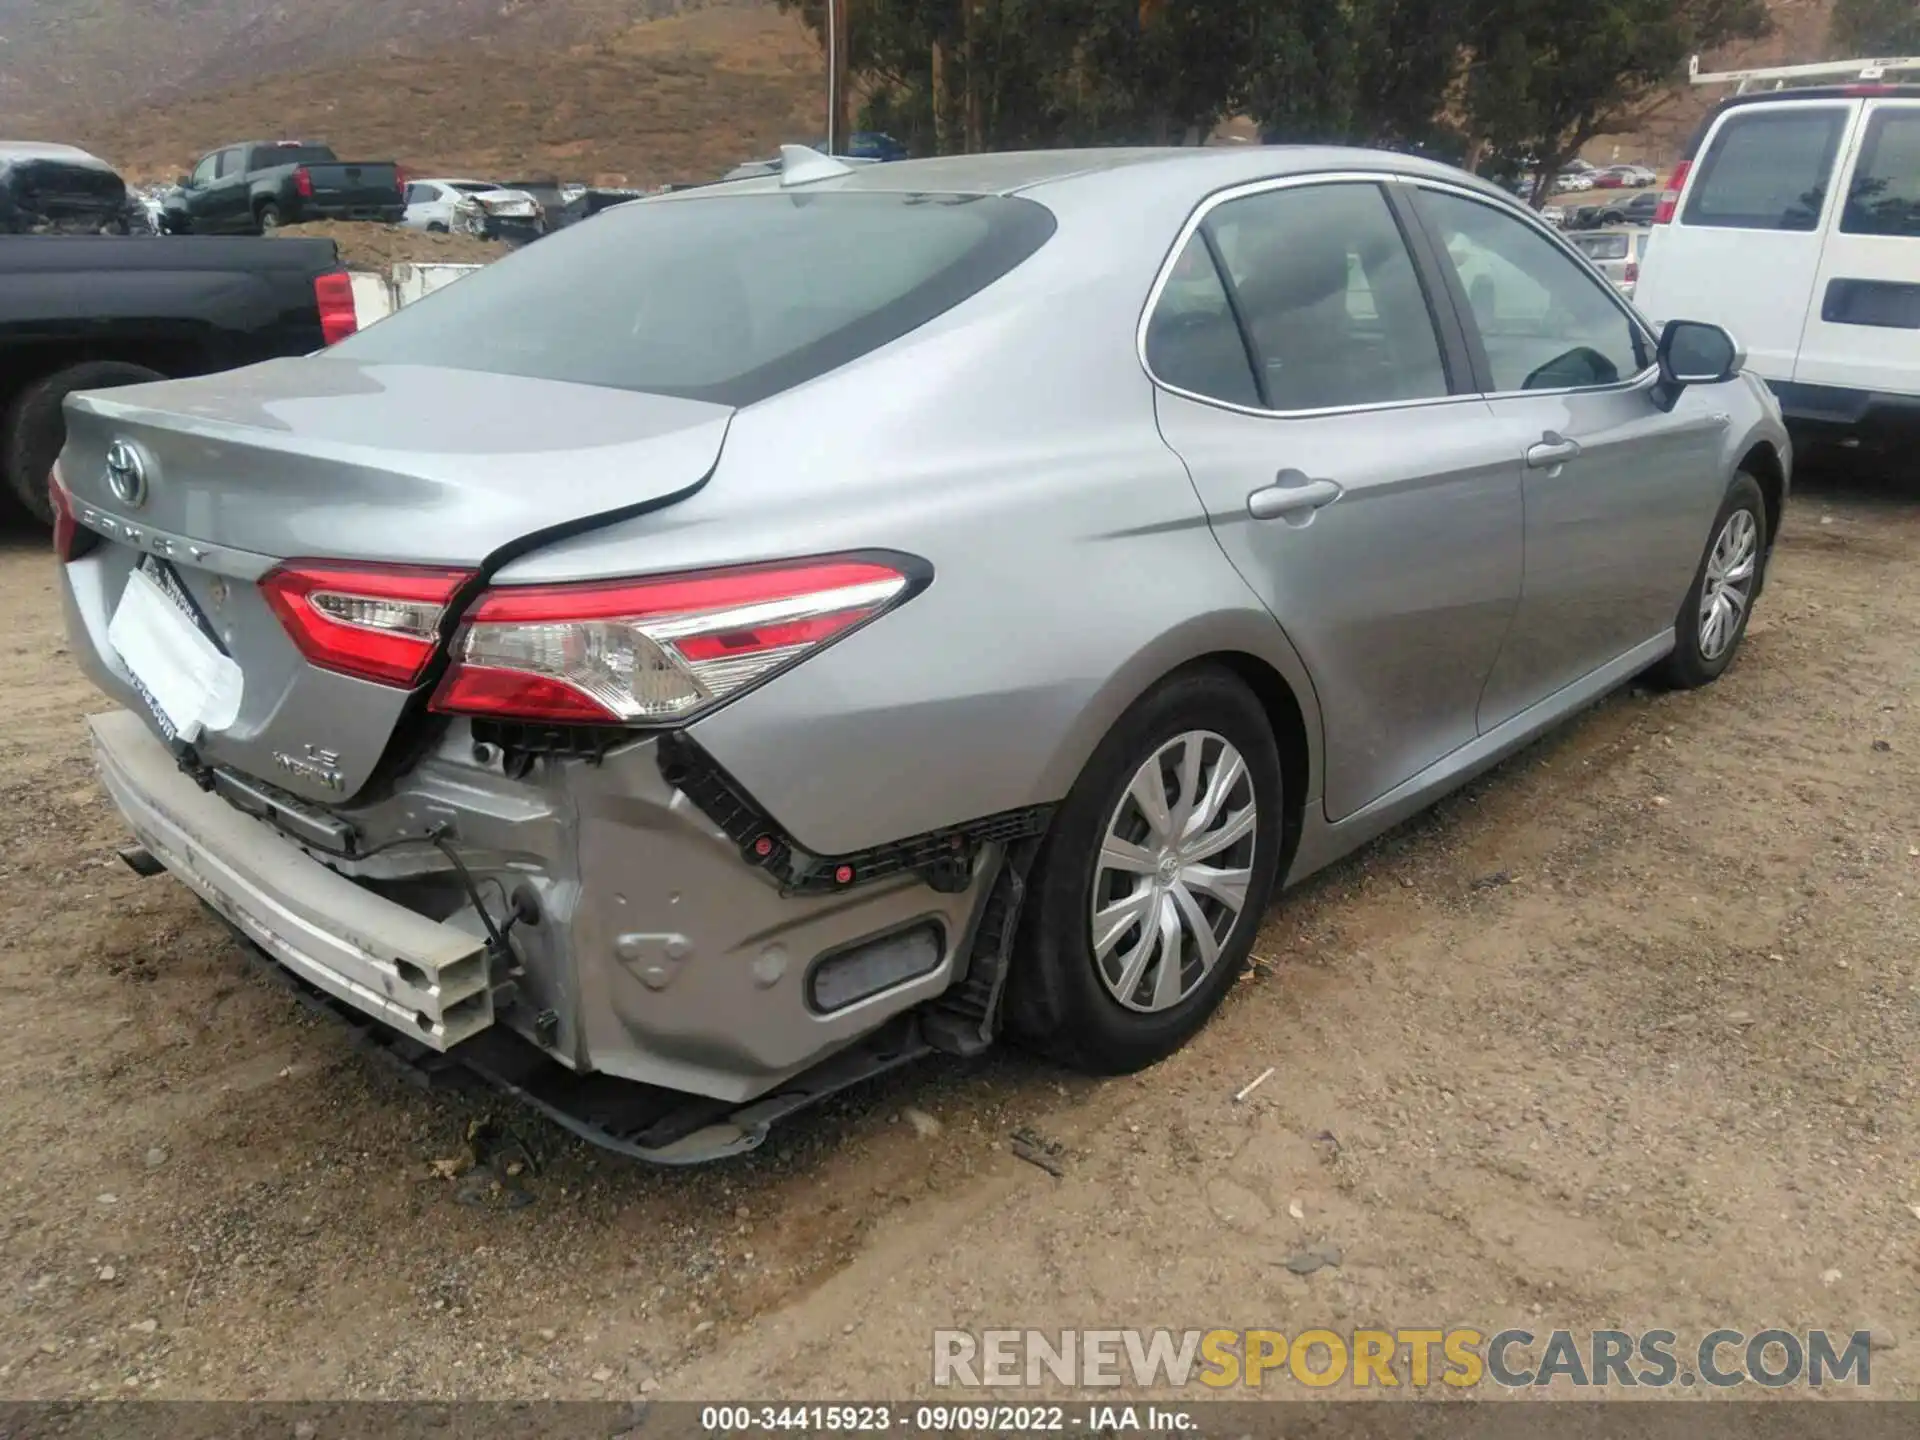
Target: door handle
[
  {"x": 1551, "y": 450},
  {"x": 1292, "y": 497}
]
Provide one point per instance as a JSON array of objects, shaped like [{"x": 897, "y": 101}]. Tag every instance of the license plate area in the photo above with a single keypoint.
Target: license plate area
[{"x": 179, "y": 668}]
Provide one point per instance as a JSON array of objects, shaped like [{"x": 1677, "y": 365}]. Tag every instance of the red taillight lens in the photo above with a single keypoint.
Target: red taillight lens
[
  {"x": 333, "y": 292},
  {"x": 303, "y": 181},
  {"x": 1633, "y": 272},
  {"x": 71, "y": 539},
  {"x": 374, "y": 622},
  {"x": 1670, "y": 197},
  {"x": 401, "y": 178},
  {"x": 650, "y": 650}
]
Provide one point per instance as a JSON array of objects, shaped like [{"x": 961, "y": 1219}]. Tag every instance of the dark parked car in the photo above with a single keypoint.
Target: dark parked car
[
  {"x": 60, "y": 190},
  {"x": 1637, "y": 211},
  {"x": 89, "y": 313},
  {"x": 259, "y": 186}
]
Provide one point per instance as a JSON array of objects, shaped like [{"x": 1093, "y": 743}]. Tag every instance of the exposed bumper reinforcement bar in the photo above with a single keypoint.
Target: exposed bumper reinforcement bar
[{"x": 427, "y": 980}]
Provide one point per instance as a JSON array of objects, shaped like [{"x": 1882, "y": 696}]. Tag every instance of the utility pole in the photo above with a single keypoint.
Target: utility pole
[{"x": 838, "y": 132}]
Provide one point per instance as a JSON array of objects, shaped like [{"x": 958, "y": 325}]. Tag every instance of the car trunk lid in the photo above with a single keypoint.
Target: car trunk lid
[{"x": 326, "y": 460}]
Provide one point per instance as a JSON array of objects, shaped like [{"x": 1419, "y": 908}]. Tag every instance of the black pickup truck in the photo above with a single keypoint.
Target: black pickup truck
[
  {"x": 261, "y": 185},
  {"x": 86, "y": 312}
]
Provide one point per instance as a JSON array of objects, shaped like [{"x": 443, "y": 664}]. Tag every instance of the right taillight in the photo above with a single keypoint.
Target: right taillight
[
  {"x": 339, "y": 318},
  {"x": 1670, "y": 197},
  {"x": 658, "y": 649},
  {"x": 373, "y": 622}
]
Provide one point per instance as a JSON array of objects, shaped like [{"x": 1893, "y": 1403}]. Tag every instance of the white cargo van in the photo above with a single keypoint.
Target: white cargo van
[{"x": 1794, "y": 222}]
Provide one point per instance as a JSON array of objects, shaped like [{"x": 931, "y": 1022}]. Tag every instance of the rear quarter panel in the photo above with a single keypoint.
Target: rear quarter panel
[{"x": 1015, "y": 450}]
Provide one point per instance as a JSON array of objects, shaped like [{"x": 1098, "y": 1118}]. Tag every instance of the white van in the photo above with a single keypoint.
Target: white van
[{"x": 1794, "y": 222}]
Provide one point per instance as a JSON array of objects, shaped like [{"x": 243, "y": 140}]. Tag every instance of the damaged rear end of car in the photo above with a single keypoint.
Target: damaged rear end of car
[
  {"x": 467, "y": 808},
  {"x": 59, "y": 190}
]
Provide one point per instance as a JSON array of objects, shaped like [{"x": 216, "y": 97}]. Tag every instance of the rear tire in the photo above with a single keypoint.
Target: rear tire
[
  {"x": 1713, "y": 617},
  {"x": 1096, "y": 931},
  {"x": 35, "y": 428},
  {"x": 268, "y": 218}
]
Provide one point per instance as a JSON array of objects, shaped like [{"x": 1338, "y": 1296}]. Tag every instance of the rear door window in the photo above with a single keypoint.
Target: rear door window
[
  {"x": 1333, "y": 306},
  {"x": 1602, "y": 247},
  {"x": 1884, "y": 198},
  {"x": 1193, "y": 341},
  {"x": 1768, "y": 169}
]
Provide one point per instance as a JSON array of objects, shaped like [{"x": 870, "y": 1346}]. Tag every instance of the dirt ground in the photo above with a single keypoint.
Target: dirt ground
[
  {"x": 1628, "y": 1034},
  {"x": 366, "y": 246}
]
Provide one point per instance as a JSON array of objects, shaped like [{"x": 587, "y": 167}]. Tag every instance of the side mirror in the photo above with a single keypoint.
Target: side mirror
[
  {"x": 1693, "y": 352},
  {"x": 184, "y": 182}
]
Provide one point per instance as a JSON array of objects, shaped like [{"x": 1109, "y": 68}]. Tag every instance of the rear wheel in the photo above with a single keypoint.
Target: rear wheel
[
  {"x": 1153, "y": 879},
  {"x": 35, "y": 427},
  {"x": 268, "y": 218},
  {"x": 1713, "y": 617}
]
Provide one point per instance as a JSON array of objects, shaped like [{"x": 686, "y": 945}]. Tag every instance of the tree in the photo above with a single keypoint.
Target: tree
[
  {"x": 948, "y": 75},
  {"x": 1883, "y": 28},
  {"x": 1543, "y": 77}
]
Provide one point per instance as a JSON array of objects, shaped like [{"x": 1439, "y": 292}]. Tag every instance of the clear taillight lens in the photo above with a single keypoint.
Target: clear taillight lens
[
  {"x": 639, "y": 651},
  {"x": 374, "y": 622}
]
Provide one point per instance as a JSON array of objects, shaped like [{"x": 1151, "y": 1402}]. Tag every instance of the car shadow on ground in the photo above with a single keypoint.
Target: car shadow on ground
[
  {"x": 18, "y": 534},
  {"x": 1835, "y": 475}
]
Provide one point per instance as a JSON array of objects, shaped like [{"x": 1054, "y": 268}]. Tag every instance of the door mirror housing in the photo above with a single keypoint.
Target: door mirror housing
[
  {"x": 1694, "y": 352},
  {"x": 183, "y": 182}
]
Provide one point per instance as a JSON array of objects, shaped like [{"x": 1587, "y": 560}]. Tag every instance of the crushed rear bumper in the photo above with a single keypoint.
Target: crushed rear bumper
[{"x": 427, "y": 979}]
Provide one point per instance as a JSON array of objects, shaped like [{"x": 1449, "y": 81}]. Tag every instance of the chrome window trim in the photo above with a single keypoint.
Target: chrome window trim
[{"x": 1644, "y": 377}]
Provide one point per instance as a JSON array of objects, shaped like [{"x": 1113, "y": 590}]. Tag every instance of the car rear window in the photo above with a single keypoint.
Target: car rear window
[
  {"x": 267, "y": 157},
  {"x": 728, "y": 298},
  {"x": 1767, "y": 170},
  {"x": 1602, "y": 247},
  {"x": 1884, "y": 198}
]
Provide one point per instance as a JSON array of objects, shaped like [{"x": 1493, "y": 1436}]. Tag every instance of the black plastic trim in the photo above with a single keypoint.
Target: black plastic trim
[
  {"x": 943, "y": 858},
  {"x": 1882, "y": 304}
]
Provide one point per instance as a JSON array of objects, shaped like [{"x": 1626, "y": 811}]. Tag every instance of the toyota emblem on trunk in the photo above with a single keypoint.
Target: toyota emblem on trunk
[{"x": 126, "y": 474}]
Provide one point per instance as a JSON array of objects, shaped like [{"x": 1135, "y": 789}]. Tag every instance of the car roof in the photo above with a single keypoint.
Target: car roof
[
  {"x": 1858, "y": 91},
  {"x": 1196, "y": 169}
]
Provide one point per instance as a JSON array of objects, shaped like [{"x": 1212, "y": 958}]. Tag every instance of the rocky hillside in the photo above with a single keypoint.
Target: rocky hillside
[
  {"x": 676, "y": 99},
  {"x": 60, "y": 56}
]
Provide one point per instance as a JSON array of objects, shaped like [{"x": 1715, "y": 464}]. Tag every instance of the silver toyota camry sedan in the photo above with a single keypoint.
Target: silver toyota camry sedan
[{"x": 775, "y": 630}]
